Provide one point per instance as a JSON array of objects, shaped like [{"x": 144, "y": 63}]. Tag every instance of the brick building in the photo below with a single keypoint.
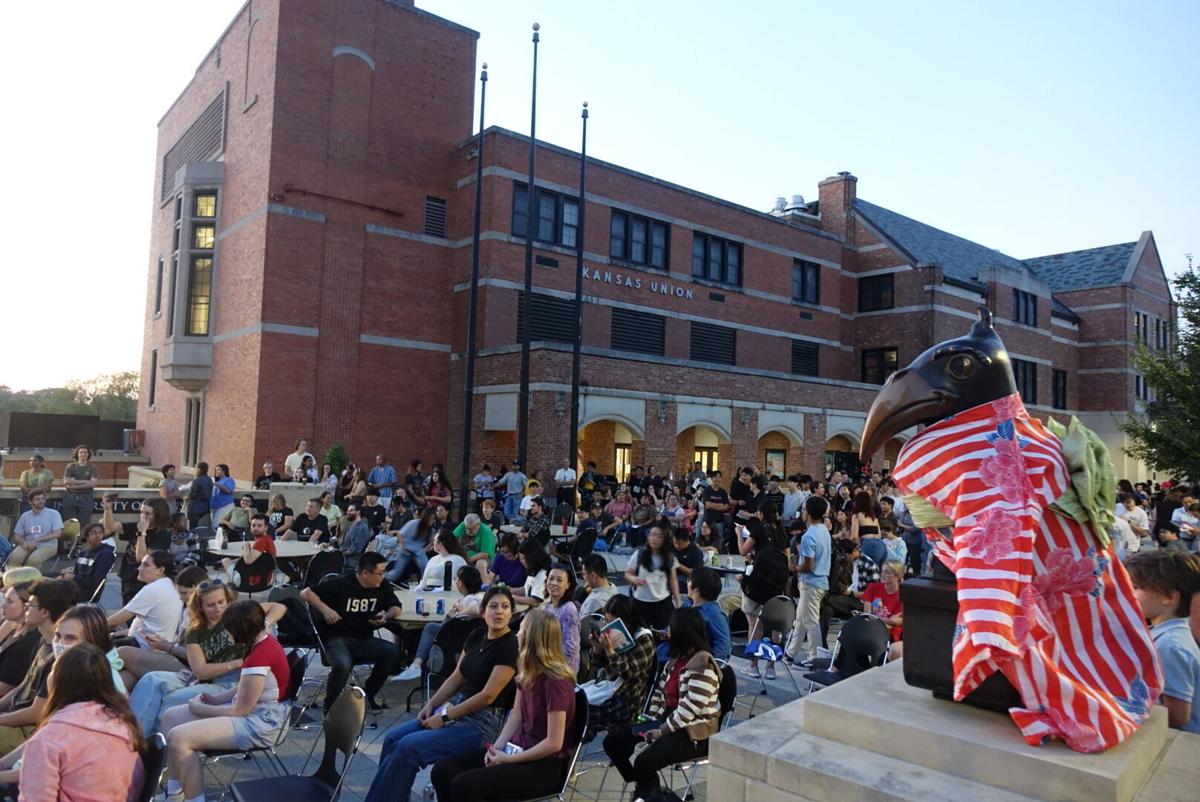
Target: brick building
[{"x": 310, "y": 263}]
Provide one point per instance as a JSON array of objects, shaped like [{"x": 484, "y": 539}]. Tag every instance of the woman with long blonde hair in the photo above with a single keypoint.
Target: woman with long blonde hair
[{"x": 532, "y": 754}]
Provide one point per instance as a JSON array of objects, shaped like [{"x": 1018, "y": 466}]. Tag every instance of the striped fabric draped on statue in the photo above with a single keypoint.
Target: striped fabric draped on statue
[{"x": 1040, "y": 597}]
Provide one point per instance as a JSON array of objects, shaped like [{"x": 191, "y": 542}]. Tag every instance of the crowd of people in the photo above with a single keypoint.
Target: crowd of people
[{"x": 81, "y": 688}]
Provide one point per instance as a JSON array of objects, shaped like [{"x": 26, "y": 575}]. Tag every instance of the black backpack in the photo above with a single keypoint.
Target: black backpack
[{"x": 769, "y": 577}]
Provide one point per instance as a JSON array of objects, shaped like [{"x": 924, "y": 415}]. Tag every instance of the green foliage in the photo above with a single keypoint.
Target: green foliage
[
  {"x": 337, "y": 458},
  {"x": 112, "y": 396},
  {"x": 1165, "y": 436}
]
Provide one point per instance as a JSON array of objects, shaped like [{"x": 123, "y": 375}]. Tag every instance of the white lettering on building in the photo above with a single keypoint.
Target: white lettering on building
[{"x": 633, "y": 282}]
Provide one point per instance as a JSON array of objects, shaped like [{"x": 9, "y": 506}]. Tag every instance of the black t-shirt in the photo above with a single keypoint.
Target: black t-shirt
[
  {"x": 92, "y": 565},
  {"x": 16, "y": 658},
  {"x": 34, "y": 685},
  {"x": 275, "y": 517},
  {"x": 692, "y": 557},
  {"x": 739, "y": 491},
  {"x": 264, "y": 482},
  {"x": 156, "y": 540},
  {"x": 374, "y": 515},
  {"x": 355, "y": 604},
  {"x": 304, "y": 526},
  {"x": 716, "y": 497},
  {"x": 480, "y": 656}
]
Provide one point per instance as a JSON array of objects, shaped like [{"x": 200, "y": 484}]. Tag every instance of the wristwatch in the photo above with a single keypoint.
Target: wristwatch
[{"x": 446, "y": 716}]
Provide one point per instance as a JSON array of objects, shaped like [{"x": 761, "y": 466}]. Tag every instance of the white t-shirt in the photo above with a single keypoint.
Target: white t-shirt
[
  {"x": 156, "y": 609},
  {"x": 1138, "y": 517},
  {"x": 565, "y": 476},
  {"x": 657, "y": 586},
  {"x": 535, "y": 586},
  {"x": 435, "y": 571}
]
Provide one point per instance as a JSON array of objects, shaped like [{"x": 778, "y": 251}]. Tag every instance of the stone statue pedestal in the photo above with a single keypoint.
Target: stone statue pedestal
[{"x": 874, "y": 738}]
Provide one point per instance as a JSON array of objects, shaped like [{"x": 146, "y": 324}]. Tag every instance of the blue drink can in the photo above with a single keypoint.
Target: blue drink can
[
  {"x": 441, "y": 607},
  {"x": 420, "y": 606}
]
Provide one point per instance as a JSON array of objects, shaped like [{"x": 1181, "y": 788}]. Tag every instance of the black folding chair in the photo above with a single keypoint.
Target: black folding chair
[
  {"x": 861, "y": 645},
  {"x": 255, "y": 577},
  {"x": 321, "y": 565},
  {"x": 343, "y": 728},
  {"x": 443, "y": 656},
  {"x": 153, "y": 762}
]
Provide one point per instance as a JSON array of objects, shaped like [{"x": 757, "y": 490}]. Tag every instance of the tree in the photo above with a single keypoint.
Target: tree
[
  {"x": 337, "y": 458},
  {"x": 112, "y": 396},
  {"x": 1166, "y": 436}
]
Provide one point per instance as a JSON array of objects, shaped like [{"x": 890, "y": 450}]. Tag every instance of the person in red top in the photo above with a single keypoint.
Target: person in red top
[
  {"x": 244, "y": 717},
  {"x": 532, "y": 753},
  {"x": 882, "y": 599},
  {"x": 261, "y": 543}
]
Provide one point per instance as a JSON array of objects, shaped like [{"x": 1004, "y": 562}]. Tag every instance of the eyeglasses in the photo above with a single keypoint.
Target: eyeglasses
[
  {"x": 378, "y": 573},
  {"x": 33, "y": 606},
  {"x": 210, "y": 584}
]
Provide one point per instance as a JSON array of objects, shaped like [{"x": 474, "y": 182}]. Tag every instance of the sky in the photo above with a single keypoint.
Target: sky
[{"x": 1031, "y": 127}]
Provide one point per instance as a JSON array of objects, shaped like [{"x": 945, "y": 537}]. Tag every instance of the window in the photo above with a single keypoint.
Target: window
[
  {"x": 804, "y": 358},
  {"x": 150, "y": 393},
  {"x": 806, "y": 282},
  {"x": 435, "y": 217},
  {"x": 775, "y": 462},
  {"x": 716, "y": 260},
  {"x": 878, "y": 363},
  {"x": 158, "y": 282},
  {"x": 1060, "y": 388},
  {"x": 553, "y": 318},
  {"x": 192, "y": 418},
  {"x": 1141, "y": 327},
  {"x": 638, "y": 240},
  {"x": 205, "y": 205},
  {"x": 199, "y": 303},
  {"x": 707, "y": 457},
  {"x": 711, "y": 343},
  {"x": 622, "y": 456},
  {"x": 1026, "y": 375},
  {"x": 557, "y": 217},
  {"x": 1024, "y": 307},
  {"x": 203, "y": 237},
  {"x": 638, "y": 332},
  {"x": 171, "y": 296},
  {"x": 876, "y": 292}
]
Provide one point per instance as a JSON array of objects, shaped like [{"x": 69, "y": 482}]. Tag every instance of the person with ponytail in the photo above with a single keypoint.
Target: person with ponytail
[
  {"x": 88, "y": 744},
  {"x": 532, "y": 753}
]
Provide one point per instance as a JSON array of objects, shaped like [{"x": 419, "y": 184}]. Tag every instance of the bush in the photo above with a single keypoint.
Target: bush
[{"x": 337, "y": 458}]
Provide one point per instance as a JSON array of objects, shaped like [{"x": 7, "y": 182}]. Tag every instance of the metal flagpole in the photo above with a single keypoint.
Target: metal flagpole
[
  {"x": 572, "y": 456},
  {"x": 531, "y": 210}
]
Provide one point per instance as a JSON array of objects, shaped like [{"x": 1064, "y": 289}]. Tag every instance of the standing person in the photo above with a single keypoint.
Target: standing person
[
  {"x": 816, "y": 548},
  {"x": 36, "y": 533},
  {"x": 716, "y": 505},
  {"x": 540, "y": 726},
  {"x": 792, "y": 500},
  {"x": 483, "y": 484},
  {"x": 246, "y": 716},
  {"x": 222, "y": 494},
  {"x": 93, "y": 562},
  {"x": 79, "y": 481},
  {"x": 414, "y": 537},
  {"x": 464, "y": 714},
  {"x": 295, "y": 460},
  {"x": 87, "y": 745},
  {"x": 513, "y": 482},
  {"x": 651, "y": 572},
  {"x": 684, "y": 709},
  {"x": 200, "y": 497},
  {"x": 168, "y": 488},
  {"x": 382, "y": 478},
  {"x": 414, "y": 485},
  {"x": 350, "y": 608},
  {"x": 564, "y": 478},
  {"x": 560, "y": 594},
  {"x": 36, "y": 477}
]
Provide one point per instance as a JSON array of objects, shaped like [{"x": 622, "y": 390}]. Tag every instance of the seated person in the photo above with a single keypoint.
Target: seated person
[
  {"x": 560, "y": 592},
  {"x": 161, "y": 652},
  {"x": 537, "y": 522},
  {"x": 703, "y": 592},
  {"x": 247, "y": 716},
  {"x": 536, "y": 562},
  {"x": 1168, "y": 538},
  {"x": 478, "y": 540},
  {"x": 348, "y": 609},
  {"x": 540, "y": 726},
  {"x": 309, "y": 525},
  {"x": 507, "y": 568},
  {"x": 1164, "y": 583},
  {"x": 634, "y": 667},
  {"x": 684, "y": 709},
  {"x": 448, "y": 555},
  {"x": 490, "y": 514},
  {"x": 469, "y": 584},
  {"x": 155, "y": 609},
  {"x": 182, "y": 538},
  {"x": 841, "y": 601},
  {"x": 236, "y": 520},
  {"x": 585, "y": 526},
  {"x": 35, "y": 535},
  {"x": 688, "y": 557},
  {"x": 18, "y": 640},
  {"x": 882, "y": 600},
  {"x": 331, "y": 511},
  {"x": 259, "y": 544},
  {"x": 21, "y": 708},
  {"x": 600, "y": 590},
  {"x": 357, "y": 536},
  {"x": 92, "y": 563}
]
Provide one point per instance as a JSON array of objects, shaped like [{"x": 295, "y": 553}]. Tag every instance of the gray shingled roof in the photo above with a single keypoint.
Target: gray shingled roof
[
  {"x": 1077, "y": 270},
  {"x": 957, "y": 257}
]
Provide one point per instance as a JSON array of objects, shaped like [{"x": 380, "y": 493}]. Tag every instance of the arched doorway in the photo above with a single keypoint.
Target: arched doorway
[
  {"x": 779, "y": 453},
  {"x": 841, "y": 454},
  {"x": 702, "y": 444},
  {"x": 614, "y": 446}
]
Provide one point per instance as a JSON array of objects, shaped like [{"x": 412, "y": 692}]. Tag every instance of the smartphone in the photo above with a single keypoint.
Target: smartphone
[{"x": 511, "y": 748}]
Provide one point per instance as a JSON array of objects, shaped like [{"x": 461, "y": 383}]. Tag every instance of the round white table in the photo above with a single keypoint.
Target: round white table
[
  {"x": 556, "y": 530},
  {"x": 284, "y": 549},
  {"x": 429, "y": 599}
]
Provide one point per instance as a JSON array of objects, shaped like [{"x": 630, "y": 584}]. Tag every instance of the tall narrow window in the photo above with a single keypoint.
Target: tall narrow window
[
  {"x": 570, "y": 223},
  {"x": 1024, "y": 307},
  {"x": 171, "y": 295},
  {"x": 151, "y": 391},
  {"x": 200, "y": 257},
  {"x": 876, "y": 292},
  {"x": 192, "y": 420},
  {"x": 199, "y": 296},
  {"x": 1060, "y": 388},
  {"x": 806, "y": 282},
  {"x": 158, "y": 287},
  {"x": 1025, "y": 373}
]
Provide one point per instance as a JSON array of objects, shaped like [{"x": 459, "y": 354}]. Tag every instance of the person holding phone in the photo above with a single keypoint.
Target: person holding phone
[{"x": 532, "y": 753}]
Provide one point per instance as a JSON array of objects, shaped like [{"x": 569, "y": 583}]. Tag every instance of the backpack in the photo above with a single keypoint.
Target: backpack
[
  {"x": 841, "y": 572},
  {"x": 769, "y": 575}
]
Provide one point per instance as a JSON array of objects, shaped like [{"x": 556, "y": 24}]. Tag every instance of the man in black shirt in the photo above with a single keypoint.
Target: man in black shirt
[
  {"x": 93, "y": 562},
  {"x": 537, "y": 526},
  {"x": 349, "y": 609},
  {"x": 309, "y": 525},
  {"x": 688, "y": 557},
  {"x": 716, "y": 505},
  {"x": 373, "y": 512},
  {"x": 268, "y": 475}
]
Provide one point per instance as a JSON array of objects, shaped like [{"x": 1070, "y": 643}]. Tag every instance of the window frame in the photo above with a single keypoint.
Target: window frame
[
  {"x": 880, "y": 354},
  {"x": 871, "y": 289},
  {"x": 1025, "y": 372},
  {"x": 806, "y": 281},
  {"x": 1058, "y": 387},
  {"x": 716, "y": 253},
  {"x": 558, "y": 221},
  {"x": 1025, "y": 311}
]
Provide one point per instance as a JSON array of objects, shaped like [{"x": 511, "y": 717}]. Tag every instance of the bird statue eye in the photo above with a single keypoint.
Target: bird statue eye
[{"x": 961, "y": 367}]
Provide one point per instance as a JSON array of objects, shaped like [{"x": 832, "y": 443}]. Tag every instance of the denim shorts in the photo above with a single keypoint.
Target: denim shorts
[{"x": 260, "y": 728}]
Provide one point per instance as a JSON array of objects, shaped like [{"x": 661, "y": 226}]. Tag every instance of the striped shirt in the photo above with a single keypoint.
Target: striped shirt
[
  {"x": 1040, "y": 599},
  {"x": 699, "y": 684}
]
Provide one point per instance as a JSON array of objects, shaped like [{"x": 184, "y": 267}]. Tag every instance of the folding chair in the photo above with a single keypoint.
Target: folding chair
[
  {"x": 321, "y": 565},
  {"x": 778, "y": 615},
  {"x": 862, "y": 644},
  {"x": 255, "y": 577},
  {"x": 443, "y": 657},
  {"x": 343, "y": 729},
  {"x": 153, "y": 762},
  {"x": 98, "y": 592}
]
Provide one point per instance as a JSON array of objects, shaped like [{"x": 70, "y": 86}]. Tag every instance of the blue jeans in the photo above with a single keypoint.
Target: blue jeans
[
  {"x": 428, "y": 636},
  {"x": 403, "y": 559},
  {"x": 409, "y": 747},
  {"x": 512, "y": 506},
  {"x": 345, "y": 653},
  {"x": 157, "y": 691}
]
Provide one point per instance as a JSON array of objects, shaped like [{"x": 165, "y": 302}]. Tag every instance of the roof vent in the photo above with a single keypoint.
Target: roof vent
[
  {"x": 780, "y": 205},
  {"x": 797, "y": 204}
]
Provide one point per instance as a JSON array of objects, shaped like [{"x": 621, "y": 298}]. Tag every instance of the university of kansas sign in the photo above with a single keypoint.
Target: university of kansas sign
[{"x": 655, "y": 286}]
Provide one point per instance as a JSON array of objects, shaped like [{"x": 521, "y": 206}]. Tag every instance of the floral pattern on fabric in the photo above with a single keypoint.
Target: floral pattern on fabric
[{"x": 993, "y": 536}]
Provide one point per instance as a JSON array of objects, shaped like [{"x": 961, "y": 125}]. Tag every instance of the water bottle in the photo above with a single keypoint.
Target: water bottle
[
  {"x": 428, "y": 795},
  {"x": 447, "y": 575}
]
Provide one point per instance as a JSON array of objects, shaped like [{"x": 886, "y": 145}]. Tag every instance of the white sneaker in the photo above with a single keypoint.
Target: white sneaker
[{"x": 409, "y": 674}]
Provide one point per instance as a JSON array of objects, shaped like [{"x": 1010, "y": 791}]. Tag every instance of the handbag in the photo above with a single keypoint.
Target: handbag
[{"x": 600, "y": 691}]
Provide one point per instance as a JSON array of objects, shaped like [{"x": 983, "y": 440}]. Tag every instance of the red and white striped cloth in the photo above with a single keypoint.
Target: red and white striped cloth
[{"x": 1039, "y": 597}]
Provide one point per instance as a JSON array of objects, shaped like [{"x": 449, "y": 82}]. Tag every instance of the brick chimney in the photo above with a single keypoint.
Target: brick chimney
[{"x": 837, "y": 203}]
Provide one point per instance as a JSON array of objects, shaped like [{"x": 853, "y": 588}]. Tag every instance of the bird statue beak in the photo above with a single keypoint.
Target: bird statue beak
[{"x": 905, "y": 400}]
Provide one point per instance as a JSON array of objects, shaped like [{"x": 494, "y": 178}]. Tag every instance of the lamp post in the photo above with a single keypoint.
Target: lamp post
[
  {"x": 577, "y": 346},
  {"x": 469, "y": 386},
  {"x": 531, "y": 208}
]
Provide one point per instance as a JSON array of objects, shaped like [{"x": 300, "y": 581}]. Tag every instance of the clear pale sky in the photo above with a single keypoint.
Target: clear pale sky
[{"x": 1034, "y": 128}]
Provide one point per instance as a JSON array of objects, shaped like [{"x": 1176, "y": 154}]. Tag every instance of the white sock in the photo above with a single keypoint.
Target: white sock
[
  {"x": 417, "y": 662},
  {"x": 174, "y": 787},
  {"x": 197, "y": 798}
]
